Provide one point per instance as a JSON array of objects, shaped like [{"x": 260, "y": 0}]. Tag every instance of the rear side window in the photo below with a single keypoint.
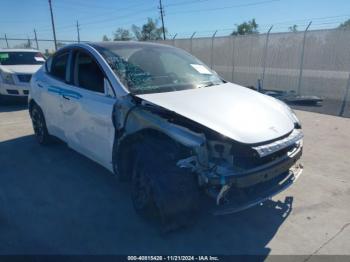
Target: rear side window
[
  {"x": 87, "y": 73},
  {"x": 59, "y": 65}
]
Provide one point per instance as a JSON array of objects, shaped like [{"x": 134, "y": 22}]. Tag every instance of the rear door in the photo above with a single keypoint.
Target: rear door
[
  {"x": 87, "y": 110},
  {"x": 53, "y": 81}
]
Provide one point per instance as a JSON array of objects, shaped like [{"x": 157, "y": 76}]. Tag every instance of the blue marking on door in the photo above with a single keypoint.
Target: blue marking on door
[{"x": 65, "y": 92}]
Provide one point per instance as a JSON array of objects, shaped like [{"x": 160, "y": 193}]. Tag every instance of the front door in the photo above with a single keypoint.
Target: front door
[
  {"x": 87, "y": 111},
  {"x": 52, "y": 82}
]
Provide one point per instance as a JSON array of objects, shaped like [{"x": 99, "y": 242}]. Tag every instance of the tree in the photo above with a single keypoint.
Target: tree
[
  {"x": 149, "y": 31},
  {"x": 345, "y": 25},
  {"x": 122, "y": 35},
  {"x": 250, "y": 27},
  {"x": 105, "y": 38},
  {"x": 293, "y": 28}
]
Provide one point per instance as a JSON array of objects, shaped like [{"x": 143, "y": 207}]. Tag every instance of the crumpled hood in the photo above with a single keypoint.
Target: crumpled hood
[
  {"x": 234, "y": 111},
  {"x": 20, "y": 69}
]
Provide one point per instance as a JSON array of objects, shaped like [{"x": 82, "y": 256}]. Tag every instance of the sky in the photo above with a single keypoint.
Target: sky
[{"x": 102, "y": 17}]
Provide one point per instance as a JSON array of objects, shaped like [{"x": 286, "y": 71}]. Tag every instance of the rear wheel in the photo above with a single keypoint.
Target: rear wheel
[
  {"x": 160, "y": 189},
  {"x": 39, "y": 126}
]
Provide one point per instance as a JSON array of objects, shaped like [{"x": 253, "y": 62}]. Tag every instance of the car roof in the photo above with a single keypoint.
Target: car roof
[
  {"x": 17, "y": 50},
  {"x": 116, "y": 44}
]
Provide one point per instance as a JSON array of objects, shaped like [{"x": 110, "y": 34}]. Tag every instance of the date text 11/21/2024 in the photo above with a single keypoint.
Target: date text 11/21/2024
[{"x": 173, "y": 258}]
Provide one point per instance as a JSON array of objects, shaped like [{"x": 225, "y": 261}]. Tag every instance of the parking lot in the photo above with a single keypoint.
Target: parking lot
[{"x": 55, "y": 201}]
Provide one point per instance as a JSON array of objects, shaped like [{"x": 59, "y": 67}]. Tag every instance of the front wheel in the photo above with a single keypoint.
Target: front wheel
[
  {"x": 39, "y": 126},
  {"x": 162, "y": 190}
]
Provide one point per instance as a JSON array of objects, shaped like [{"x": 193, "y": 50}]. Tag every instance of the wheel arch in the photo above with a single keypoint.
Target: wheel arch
[
  {"x": 125, "y": 150},
  {"x": 31, "y": 104}
]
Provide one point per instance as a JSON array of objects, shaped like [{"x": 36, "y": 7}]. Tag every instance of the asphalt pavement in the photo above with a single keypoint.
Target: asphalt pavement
[{"x": 55, "y": 201}]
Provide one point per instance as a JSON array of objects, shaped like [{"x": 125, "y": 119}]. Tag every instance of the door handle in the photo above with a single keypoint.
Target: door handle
[{"x": 65, "y": 97}]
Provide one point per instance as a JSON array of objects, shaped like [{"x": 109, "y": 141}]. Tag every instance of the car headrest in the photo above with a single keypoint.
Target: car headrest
[{"x": 148, "y": 60}]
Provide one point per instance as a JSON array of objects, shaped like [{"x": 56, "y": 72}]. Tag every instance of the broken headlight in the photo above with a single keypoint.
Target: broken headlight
[
  {"x": 297, "y": 123},
  {"x": 293, "y": 116}
]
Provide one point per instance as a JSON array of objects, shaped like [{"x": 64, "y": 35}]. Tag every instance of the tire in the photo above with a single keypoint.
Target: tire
[
  {"x": 2, "y": 99},
  {"x": 39, "y": 126},
  {"x": 122, "y": 166},
  {"x": 161, "y": 190}
]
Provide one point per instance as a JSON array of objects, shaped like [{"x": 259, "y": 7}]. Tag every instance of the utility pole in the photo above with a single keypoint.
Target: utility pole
[
  {"x": 7, "y": 43},
  {"x": 300, "y": 79},
  {"x": 36, "y": 40},
  {"x": 161, "y": 9},
  {"x": 78, "y": 31},
  {"x": 53, "y": 26},
  {"x": 29, "y": 43},
  {"x": 265, "y": 56}
]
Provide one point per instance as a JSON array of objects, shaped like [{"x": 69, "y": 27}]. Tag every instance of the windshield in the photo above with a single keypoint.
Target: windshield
[
  {"x": 153, "y": 69},
  {"x": 21, "y": 58}
]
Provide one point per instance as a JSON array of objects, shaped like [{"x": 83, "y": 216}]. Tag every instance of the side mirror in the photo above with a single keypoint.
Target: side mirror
[{"x": 108, "y": 88}]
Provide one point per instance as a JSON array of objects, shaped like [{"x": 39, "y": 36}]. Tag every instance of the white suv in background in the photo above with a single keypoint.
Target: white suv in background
[{"x": 16, "y": 69}]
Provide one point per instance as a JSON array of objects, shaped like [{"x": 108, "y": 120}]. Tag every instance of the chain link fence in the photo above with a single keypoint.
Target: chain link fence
[
  {"x": 309, "y": 63},
  {"x": 46, "y": 46}
]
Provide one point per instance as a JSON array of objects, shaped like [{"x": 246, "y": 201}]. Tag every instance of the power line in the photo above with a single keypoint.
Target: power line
[
  {"x": 83, "y": 4},
  {"x": 186, "y": 3},
  {"x": 226, "y": 7},
  {"x": 72, "y": 26},
  {"x": 118, "y": 17}
]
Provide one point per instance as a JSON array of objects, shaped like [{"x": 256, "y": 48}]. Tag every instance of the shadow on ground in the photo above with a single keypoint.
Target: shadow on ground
[
  {"x": 328, "y": 106},
  {"x": 9, "y": 105},
  {"x": 55, "y": 201}
]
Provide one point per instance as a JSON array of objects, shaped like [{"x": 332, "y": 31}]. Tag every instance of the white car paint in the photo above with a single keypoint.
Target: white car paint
[
  {"x": 80, "y": 117},
  {"x": 20, "y": 87},
  {"x": 231, "y": 110},
  {"x": 108, "y": 124},
  {"x": 20, "y": 69},
  {"x": 85, "y": 123}
]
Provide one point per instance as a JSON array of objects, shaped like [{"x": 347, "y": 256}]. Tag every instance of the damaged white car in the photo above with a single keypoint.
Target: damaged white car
[{"x": 157, "y": 116}]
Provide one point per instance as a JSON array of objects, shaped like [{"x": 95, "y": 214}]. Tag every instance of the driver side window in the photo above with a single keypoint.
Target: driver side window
[
  {"x": 58, "y": 66},
  {"x": 87, "y": 74}
]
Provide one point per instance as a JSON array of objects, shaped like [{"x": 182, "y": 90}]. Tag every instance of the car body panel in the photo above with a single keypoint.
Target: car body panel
[
  {"x": 87, "y": 123},
  {"x": 231, "y": 110},
  {"x": 81, "y": 118},
  {"x": 43, "y": 87}
]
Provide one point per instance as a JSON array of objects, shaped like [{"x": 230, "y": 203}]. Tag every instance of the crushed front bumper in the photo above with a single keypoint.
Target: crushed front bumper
[
  {"x": 240, "y": 191},
  {"x": 240, "y": 199},
  {"x": 258, "y": 174}
]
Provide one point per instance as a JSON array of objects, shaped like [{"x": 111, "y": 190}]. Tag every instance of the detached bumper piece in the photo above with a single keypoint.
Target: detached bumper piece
[
  {"x": 238, "y": 199},
  {"x": 291, "y": 97}
]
